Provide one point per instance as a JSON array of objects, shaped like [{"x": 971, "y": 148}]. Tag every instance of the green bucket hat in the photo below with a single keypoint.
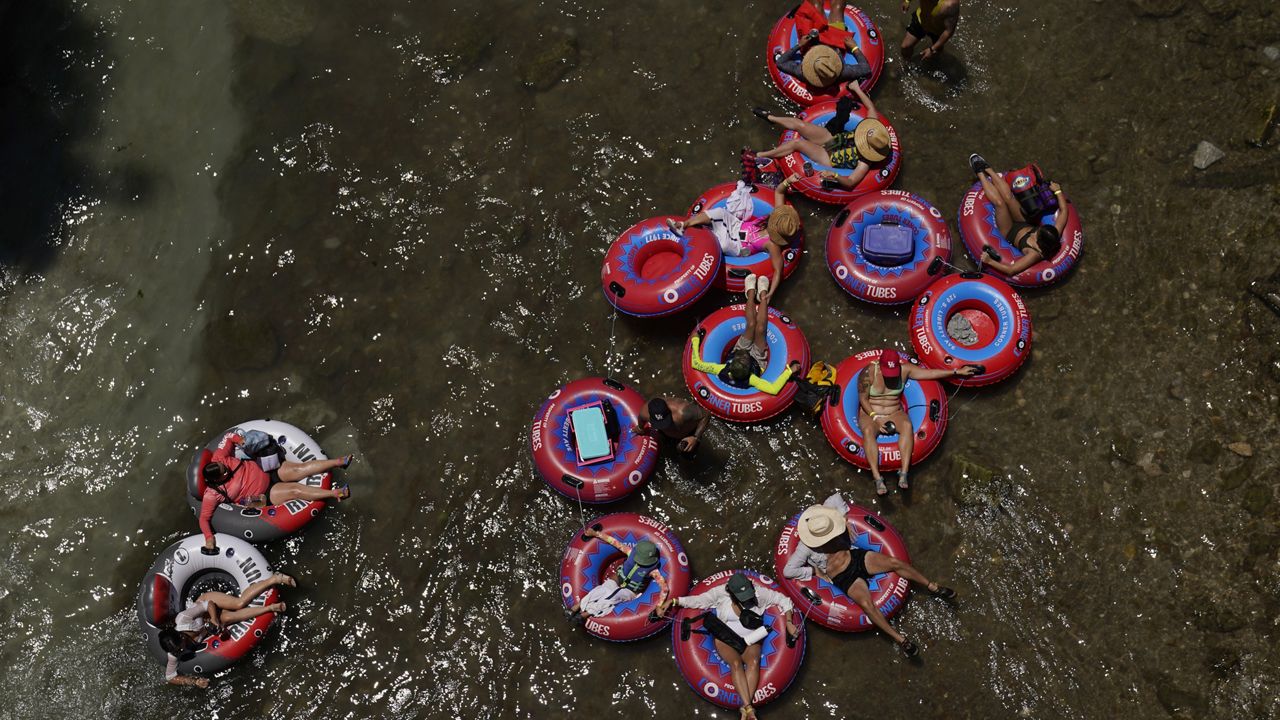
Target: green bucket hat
[{"x": 645, "y": 553}]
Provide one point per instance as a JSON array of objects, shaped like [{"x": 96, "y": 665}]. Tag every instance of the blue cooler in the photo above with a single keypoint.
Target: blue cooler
[{"x": 887, "y": 244}]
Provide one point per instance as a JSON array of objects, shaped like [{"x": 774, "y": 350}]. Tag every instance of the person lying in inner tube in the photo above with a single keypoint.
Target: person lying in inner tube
[
  {"x": 820, "y": 65},
  {"x": 676, "y": 418},
  {"x": 880, "y": 410},
  {"x": 627, "y": 584},
  {"x": 750, "y": 353},
  {"x": 826, "y": 549},
  {"x": 827, "y": 29},
  {"x": 831, "y": 145},
  {"x": 1035, "y": 242},
  {"x": 208, "y": 616},
  {"x": 741, "y": 235},
  {"x": 736, "y": 623},
  {"x": 243, "y": 482}
]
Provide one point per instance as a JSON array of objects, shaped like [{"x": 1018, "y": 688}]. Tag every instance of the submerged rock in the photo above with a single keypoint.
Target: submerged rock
[
  {"x": 972, "y": 484},
  {"x": 556, "y": 59},
  {"x": 1255, "y": 499},
  {"x": 1243, "y": 449},
  {"x": 283, "y": 22},
  {"x": 1206, "y": 154}
]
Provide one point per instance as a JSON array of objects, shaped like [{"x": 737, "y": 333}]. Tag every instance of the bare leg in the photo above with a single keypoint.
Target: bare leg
[
  {"x": 1006, "y": 194},
  {"x": 235, "y": 616},
  {"x": 908, "y": 45},
  {"x": 807, "y": 130},
  {"x": 906, "y": 443},
  {"x": 813, "y": 151},
  {"x": 283, "y": 492},
  {"x": 293, "y": 471},
  {"x": 861, "y": 595},
  {"x": 736, "y": 671},
  {"x": 836, "y": 14},
  {"x": 761, "y": 326},
  {"x": 871, "y": 446},
  {"x": 751, "y": 658},
  {"x": 880, "y": 563},
  {"x": 1004, "y": 220}
]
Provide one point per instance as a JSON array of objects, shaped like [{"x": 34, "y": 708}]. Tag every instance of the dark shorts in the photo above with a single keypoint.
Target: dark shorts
[
  {"x": 857, "y": 569},
  {"x": 917, "y": 30},
  {"x": 274, "y": 475},
  {"x": 718, "y": 630}
]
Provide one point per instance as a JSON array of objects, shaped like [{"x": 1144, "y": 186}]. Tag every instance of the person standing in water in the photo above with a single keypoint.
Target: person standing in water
[
  {"x": 675, "y": 418},
  {"x": 933, "y": 19}
]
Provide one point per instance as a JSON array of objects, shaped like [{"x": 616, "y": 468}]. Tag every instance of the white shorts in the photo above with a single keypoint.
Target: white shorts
[{"x": 604, "y": 597}]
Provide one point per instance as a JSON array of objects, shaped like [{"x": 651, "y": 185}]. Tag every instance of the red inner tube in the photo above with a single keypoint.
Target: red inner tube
[
  {"x": 786, "y": 343},
  {"x": 709, "y": 676},
  {"x": 879, "y": 177},
  {"x": 735, "y": 269},
  {"x": 588, "y": 562},
  {"x": 977, "y": 221},
  {"x": 862, "y": 278},
  {"x": 649, "y": 271},
  {"x": 784, "y": 37},
  {"x": 838, "y": 612},
  {"x": 555, "y": 456},
  {"x": 925, "y": 401},
  {"x": 997, "y": 315}
]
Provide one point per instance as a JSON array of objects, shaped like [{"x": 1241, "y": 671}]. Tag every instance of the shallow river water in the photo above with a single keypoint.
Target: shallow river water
[{"x": 383, "y": 221}]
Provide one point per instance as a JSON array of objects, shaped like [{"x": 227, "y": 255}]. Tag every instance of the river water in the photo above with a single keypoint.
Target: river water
[{"x": 383, "y": 222}]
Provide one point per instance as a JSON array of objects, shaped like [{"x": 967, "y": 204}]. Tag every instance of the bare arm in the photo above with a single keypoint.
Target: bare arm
[
  {"x": 606, "y": 537},
  {"x": 780, "y": 192},
  {"x": 1060, "y": 218},
  {"x": 918, "y": 373},
  {"x": 864, "y": 393},
  {"x": 1029, "y": 258},
  {"x": 865, "y": 99}
]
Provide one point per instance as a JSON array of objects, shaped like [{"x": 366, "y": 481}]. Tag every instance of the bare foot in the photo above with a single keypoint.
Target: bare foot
[
  {"x": 277, "y": 607},
  {"x": 282, "y": 579}
]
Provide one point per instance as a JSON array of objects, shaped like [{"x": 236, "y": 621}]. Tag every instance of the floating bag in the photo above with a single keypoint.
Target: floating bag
[
  {"x": 888, "y": 244},
  {"x": 261, "y": 447},
  {"x": 817, "y": 386}
]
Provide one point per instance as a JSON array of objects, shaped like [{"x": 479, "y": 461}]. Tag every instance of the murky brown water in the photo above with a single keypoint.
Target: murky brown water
[{"x": 383, "y": 221}]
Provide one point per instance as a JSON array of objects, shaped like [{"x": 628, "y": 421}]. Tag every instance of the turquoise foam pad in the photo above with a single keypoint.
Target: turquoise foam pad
[{"x": 589, "y": 433}]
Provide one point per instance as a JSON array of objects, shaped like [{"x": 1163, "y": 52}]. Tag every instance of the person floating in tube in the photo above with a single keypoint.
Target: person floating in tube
[
  {"x": 934, "y": 19},
  {"x": 826, "y": 549},
  {"x": 1036, "y": 242},
  {"x": 675, "y": 418},
  {"x": 633, "y": 576},
  {"x": 750, "y": 354},
  {"x": 827, "y": 29},
  {"x": 831, "y": 145},
  {"x": 208, "y": 616},
  {"x": 818, "y": 57},
  {"x": 230, "y": 479},
  {"x": 736, "y": 623},
  {"x": 741, "y": 234},
  {"x": 880, "y": 410}
]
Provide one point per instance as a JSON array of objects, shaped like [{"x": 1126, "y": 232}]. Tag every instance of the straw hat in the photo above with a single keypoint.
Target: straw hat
[
  {"x": 784, "y": 223},
  {"x": 872, "y": 140},
  {"x": 820, "y": 524},
  {"x": 821, "y": 66}
]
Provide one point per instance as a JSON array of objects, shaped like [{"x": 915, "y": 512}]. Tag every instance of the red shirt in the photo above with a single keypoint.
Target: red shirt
[
  {"x": 247, "y": 480},
  {"x": 809, "y": 18}
]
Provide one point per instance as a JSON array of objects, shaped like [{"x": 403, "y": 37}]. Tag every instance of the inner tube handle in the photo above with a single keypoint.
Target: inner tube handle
[
  {"x": 571, "y": 481},
  {"x": 874, "y": 522},
  {"x": 597, "y": 527},
  {"x": 209, "y": 550},
  {"x": 617, "y": 289},
  {"x": 935, "y": 410},
  {"x": 841, "y": 218},
  {"x": 614, "y": 384},
  {"x": 935, "y": 266},
  {"x": 811, "y": 596},
  {"x": 971, "y": 275}
]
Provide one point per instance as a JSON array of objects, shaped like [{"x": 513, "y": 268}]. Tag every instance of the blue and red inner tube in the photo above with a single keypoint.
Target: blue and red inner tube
[
  {"x": 838, "y": 611},
  {"x": 651, "y": 271},
  {"x": 924, "y": 400},
  {"x": 709, "y": 675},
  {"x": 879, "y": 177},
  {"x": 588, "y": 562},
  {"x": 784, "y": 37},
  {"x": 977, "y": 221},
  {"x": 786, "y": 343},
  {"x": 555, "y": 454},
  {"x": 875, "y": 223},
  {"x": 995, "y": 312},
  {"x": 736, "y": 269}
]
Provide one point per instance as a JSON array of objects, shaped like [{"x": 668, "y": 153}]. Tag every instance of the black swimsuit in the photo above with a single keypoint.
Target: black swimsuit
[
  {"x": 1011, "y": 237},
  {"x": 857, "y": 569}
]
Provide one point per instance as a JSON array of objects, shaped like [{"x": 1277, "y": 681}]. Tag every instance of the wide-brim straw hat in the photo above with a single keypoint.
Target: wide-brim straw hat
[
  {"x": 820, "y": 524},
  {"x": 872, "y": 140},
  {"x": 784, "y": 223},
  {"x": 821, "y": 66}
]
